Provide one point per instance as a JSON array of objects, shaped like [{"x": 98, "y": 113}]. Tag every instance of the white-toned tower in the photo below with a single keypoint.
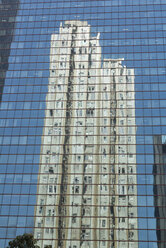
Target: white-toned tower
[
  {"x": 87, "y": 193},
  {"x": 118, "y": 145}
]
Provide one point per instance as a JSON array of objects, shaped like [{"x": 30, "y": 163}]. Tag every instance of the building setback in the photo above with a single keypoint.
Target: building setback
[{"x": 87, "y": 195}]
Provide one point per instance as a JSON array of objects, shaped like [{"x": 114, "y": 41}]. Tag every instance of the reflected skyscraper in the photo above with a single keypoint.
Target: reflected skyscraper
[
  {"x": 8, "y": 12},
  {"x": 159, "y": 172},
  {"x": 87, "y": 194},
  {"x": 76, "y": 177}
]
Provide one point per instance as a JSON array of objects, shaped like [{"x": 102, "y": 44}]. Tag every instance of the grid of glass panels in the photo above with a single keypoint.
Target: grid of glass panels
[{"x": 85, "y": 81}]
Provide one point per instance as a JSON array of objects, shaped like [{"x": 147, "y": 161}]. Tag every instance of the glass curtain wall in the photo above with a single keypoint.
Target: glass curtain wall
[{"x": 82, "y": 122}]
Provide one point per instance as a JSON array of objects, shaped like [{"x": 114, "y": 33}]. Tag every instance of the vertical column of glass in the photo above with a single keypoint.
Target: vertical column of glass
[
  {"x": 50, "y": 191},
  {"x": 81, "y": 48},
  {"x": 64, "y": 211},
  {"x": 125, "y": 158},
  {"x": 91, "y": 177},
  {"x": 107, "y": 151}
]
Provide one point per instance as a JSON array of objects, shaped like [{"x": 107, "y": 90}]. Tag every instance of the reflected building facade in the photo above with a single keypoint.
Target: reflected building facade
[
  {"x": 8, "y": 13},
  {"x": 87, "y": 193},
  {"x": 159, "y": 172}
]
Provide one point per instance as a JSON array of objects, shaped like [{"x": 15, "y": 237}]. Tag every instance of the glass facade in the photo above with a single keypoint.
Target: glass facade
[{"x": 82, "y": 122}]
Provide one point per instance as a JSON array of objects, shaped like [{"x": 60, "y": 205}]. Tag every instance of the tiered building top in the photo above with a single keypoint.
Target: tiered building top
[{"x": 87, "y": 196}]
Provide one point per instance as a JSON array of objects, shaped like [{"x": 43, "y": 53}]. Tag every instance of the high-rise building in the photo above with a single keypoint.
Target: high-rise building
[
  {"x": 87, "y": 194},
  {"x": 95, "y": 113}
]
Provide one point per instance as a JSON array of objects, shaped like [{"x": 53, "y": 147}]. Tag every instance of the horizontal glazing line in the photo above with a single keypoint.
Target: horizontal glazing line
[
  {"x": 62, "y": 69},
  {"x": 83, "y": 117},
  {"x": 88, "y": 205},
  {"x": 70, "y": 173},
  {"x": 83, "y": 1},
  {"x": 101, "y": 240},
  {"x": 93, "y": 217},
  {"x": 56, "y": 109},
  {"x": 83, "y": 18},
  {"x": 77, "y": 144},
  {"x": 89, "y": 7},
  {"x": 56, "y": 118},
  {"x": 85, "y": 70},
  {"x": 75, "y": 101},
  {"x": 102, "y": 216},
  {"x": 83, "y": 153},
  {"x": 77, "y": 173},
  {"x": 46, "y": 63},
  {"x": 91, "y": 184},
  {"x": 74, "y": 194},
  {"x": 41, "y": 119},
  {"x": 148, "y": 39},
  {"x": 43, "y": 77},
  {"x": 101, "y": 19},
  {"x": 74, "y": 154},
  {"x": 127, "y": 154},
  {"x": 88, "y": 228},
  {"x": 89, "y": 84}
]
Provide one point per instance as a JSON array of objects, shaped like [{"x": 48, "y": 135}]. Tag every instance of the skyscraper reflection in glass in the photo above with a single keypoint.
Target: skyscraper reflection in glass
[{"x": 82, "y": 122}]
